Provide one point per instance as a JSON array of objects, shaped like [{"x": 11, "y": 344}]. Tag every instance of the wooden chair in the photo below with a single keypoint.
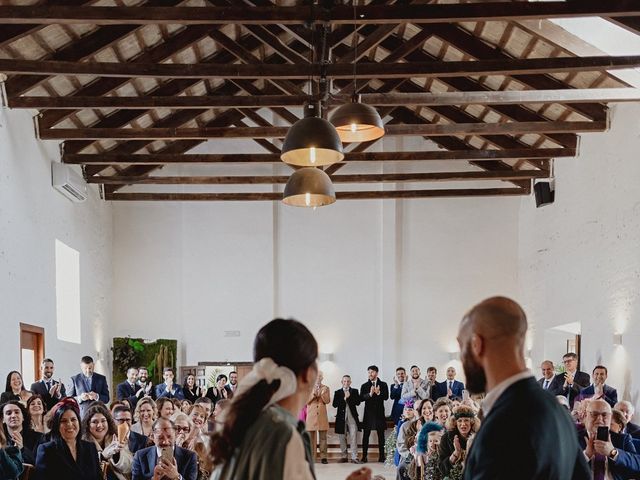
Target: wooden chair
[{"x": 28, "y": 470}]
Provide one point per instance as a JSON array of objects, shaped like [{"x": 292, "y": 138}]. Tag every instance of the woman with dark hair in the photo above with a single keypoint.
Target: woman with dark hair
[
  {"x": 36, "y": 411},
  {"x": 453, "y": 447},
  {"x": 166, "y": 407},
  {"x": 18, "y": 432},
  {"x": 99, "y": 427},
  {"x": 10, "y": 460},
  {"x": 66, "y": 455},
  {"x": 261, "y": 437},
  {"x": 191, "y": 391},
  {"x": 14, "y": 389},
  {"x": 219, "y": 391}
]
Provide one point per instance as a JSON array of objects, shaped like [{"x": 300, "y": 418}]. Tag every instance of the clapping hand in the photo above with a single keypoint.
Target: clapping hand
[
  {"x": 457, "y": 448},
  {"x": 377, "y": 390},
  {"x": 17, "y": 439},
  {"x": 111, "y": 449},
  {"x": 568, "y": 379},
  {"x": 372, "y": 391}
]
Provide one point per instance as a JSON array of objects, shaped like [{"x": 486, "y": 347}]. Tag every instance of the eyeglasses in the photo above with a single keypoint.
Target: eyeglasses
[
  {"x": 604, "y": 415},
  {"x": 164, "y": 430},
  {"x": 180, "y": 429},
  {"x": 123, "y": 420},
  {"x": 569, "y": 360}
]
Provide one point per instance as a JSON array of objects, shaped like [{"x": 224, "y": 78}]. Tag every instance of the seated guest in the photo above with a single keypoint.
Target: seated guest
[
  {"x": 395, "y": 394},
  {"x": 207, "y": 404},
  {"x": 426, "y": 456},
  {"x": 221, "y": 405},
  {"x": 18, "y": 432},
  {"x": 424, "y": 415},
  {"x": 67, "y": 456},
  {"x": 165, "y": 407},
  {"x": 598, "y": 389},
  {"x": 547, "y": 374},
  {"x": 52, "y": 391},
  {"x": 14, "y": 389},
  {"x": 571, "y": 381},
  {"x": 135, "y": 441},
  {"x": 36, "y": 411},
  {"x": 453, "y": 446},
  {"x": 408, "y": 414},
  {"x": 87, "y": 386},
  {"x": 416, "y": 388},
  {"x": 191, "y": 391},
  {"x": 149, "y": 463},
  {"x": 187, "y": 436},
  {"x": 129, "y": 389},
  {"x": 169, "y": 389},
  {"x": 185, "y": 406},
  {"x": 618, "y": 422},
  {"x": 442, "y": 411},
  {"x": 10, "y": 460},
  {"x": 219, "y": 390},
  {"x": 98, "y": 427},
  {"x": 616, "y": 455},
  {"x": 198, "y": 418},
  {"x": 627, "y": 408},
  {"x": 144, "y": 415}
]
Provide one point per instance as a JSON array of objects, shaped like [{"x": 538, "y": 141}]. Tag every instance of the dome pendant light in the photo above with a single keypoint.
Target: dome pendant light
[
  {"x": 309, "y": 187},
  {"x": 312, "y": 141},
  {"x": 357, "y": 122}
]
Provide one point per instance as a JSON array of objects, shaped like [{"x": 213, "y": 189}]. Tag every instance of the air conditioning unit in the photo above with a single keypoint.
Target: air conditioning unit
[{"x": 68, "y": 182}]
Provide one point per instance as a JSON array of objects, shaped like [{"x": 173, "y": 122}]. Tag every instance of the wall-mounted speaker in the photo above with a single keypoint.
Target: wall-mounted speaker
[{"x": 545, "y": 193}]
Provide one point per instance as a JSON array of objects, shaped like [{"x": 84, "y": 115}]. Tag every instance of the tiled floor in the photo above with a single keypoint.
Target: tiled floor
[{"x": 340, "y": 471}]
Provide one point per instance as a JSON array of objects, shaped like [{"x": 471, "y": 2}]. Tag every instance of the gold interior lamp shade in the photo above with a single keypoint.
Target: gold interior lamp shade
[
  {"x": 312, "y": 141},
  {"x": 357, "y": 122},
  {"x": 309, "y": 187}
]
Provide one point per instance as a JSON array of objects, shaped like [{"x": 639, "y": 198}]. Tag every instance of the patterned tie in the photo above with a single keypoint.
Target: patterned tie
[{"x": 599, "y": 467}]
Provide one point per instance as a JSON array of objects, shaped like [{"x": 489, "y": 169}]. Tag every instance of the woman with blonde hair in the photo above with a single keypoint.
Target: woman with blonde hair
[
  {"x": 461, "y": 426},
  {"x": 144, "y": 416}
]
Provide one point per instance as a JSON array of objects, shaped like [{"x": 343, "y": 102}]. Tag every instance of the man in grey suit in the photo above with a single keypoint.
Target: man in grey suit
[
  {"x": 88, "y": 386},
  {"x": 491, "y": 339}
]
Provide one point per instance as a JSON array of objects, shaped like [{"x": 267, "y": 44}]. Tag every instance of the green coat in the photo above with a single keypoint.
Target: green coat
[{"x": 261, "y": 456}]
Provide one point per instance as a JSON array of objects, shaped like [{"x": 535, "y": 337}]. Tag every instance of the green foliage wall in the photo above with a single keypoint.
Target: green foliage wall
[{"x": 135, "y": 352}]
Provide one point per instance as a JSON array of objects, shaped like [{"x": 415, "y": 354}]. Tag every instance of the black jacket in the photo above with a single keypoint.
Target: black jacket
[
  {"x": 40, "y": 388},
  {"x": 138, "y": 442},
  {"x": 374, "y": 418},
  {"x": 54, "y": 460},
  {"x": 580, "y": 380},
  {"x": 124, "y": 391},
  {"x": 30, "y": 441},
  {"x": 627, "y": 464},
  {"x": 339, "y": 402},
  {"x": 527, "y": 435}
]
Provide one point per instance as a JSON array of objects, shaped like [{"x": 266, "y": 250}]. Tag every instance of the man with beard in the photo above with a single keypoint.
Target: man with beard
[
  {"x": 146, "y": 386},
  {"x": 395, "y": 393},
  {"x": 543, "y": 445},
  {"x": 233, "y": 383},
  {"x": 416, "y": 388},
  {"x": 374, "y": 392},
  {"x": 50, "y": 390}
]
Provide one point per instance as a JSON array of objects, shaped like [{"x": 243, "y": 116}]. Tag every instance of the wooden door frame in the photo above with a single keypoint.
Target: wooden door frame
[{"x": 40, "y": 354}]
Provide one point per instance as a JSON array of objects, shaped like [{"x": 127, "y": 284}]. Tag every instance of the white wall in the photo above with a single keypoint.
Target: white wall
[
  {"x": 579, "y": 258},
  {"x": 382, "y": 282},
  {"x": 32, "y": 216}
]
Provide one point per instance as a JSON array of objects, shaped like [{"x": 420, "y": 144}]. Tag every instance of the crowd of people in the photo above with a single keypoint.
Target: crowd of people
[{"x": 274, "y": 423}]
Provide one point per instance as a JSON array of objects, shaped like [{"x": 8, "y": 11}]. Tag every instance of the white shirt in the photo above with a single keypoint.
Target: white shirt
[{"x": 497, "y": 391}]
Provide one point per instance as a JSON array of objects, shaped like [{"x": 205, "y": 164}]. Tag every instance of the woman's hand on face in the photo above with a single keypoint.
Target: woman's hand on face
[{"x": 362, "y": 474}]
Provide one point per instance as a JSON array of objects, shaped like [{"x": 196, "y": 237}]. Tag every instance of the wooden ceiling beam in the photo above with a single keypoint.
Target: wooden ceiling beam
[
  {"x": 245, "y": 158},
  {"x": 433, "y": 69},
  {"x": 337, "y": 15},
  {"x": 358, "y": 195},
  {"x": 351, "y": 178},
  {"x": 426, "y": 99},
  {"x": 425, "y": 129}
]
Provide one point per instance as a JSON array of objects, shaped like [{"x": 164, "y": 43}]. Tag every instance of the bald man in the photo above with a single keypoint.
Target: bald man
[{"x": 526, "y": 434}]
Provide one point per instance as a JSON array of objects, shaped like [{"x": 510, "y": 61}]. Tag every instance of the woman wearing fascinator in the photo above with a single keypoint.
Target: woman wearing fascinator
[{"x": 262, "y": 437}]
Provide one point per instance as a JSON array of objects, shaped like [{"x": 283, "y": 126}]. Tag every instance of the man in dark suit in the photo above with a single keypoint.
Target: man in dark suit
[
  {"x": 547, "y": 374},
  {"x": 617, "y": 455},
  {"x": 88, "y": 386},
  {"x": 347, "y": 422},
  {"x": 50, "y": 390},
  {"x": 148, "y": 464},
  {"x": 627, "y": 408},
  {"x": 450, "y": 388},
  {"x": 598, "y": 389},
  {"x": 169, "y": 388},
  {"x": 525, "y": 434},
  {"x": 396, "y": 394},
  {"x": 122, "y": 414},
  {"x": 374, "y": 392},
  {"x": 129, "y": 390},
  {"x": 569, "y": 383}
]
